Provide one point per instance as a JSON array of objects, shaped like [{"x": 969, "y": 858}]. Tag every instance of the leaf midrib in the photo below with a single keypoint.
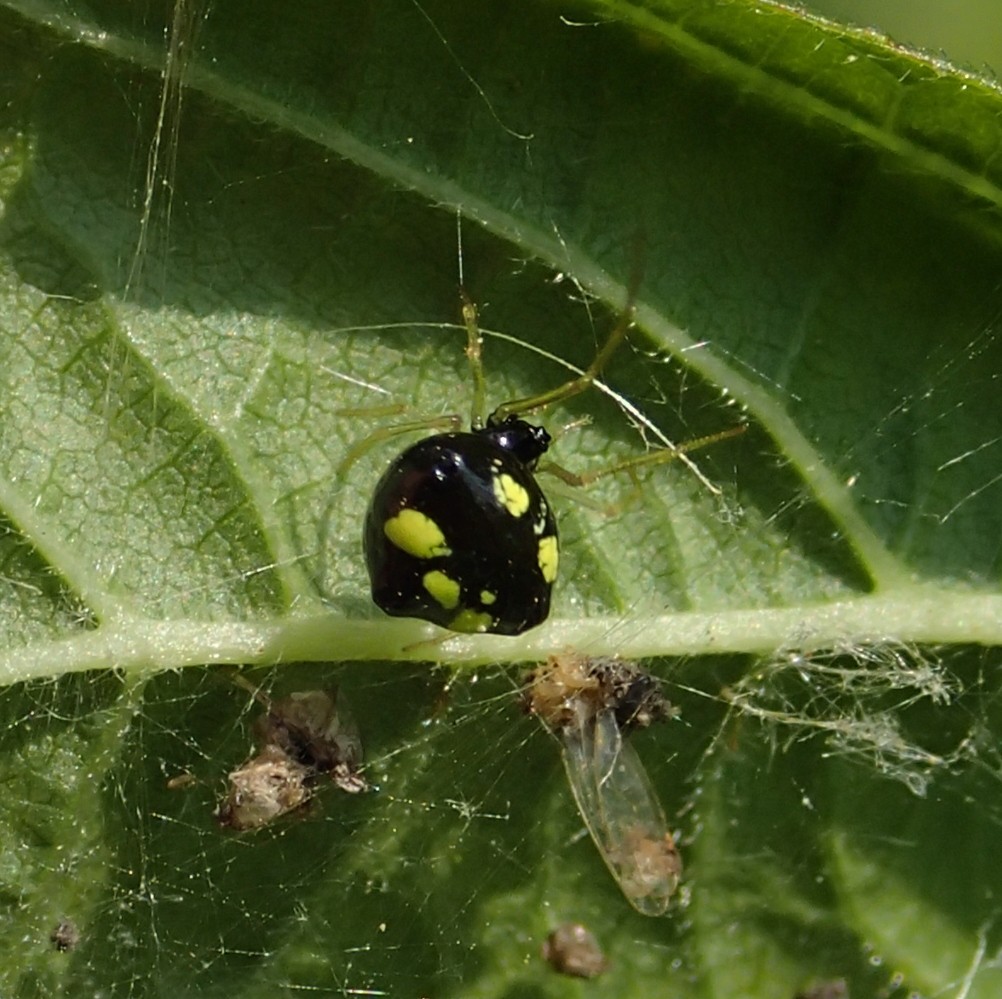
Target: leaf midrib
[{"x": 916, "y": 614}]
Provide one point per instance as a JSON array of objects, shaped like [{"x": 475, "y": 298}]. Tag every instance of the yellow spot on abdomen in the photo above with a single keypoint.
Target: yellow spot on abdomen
[
  {"x": 471, "y": 622},
  {"x": 443, "y": 589},
  {"x": 549, "y": 557},
  {"x": 417, "y": 534},
  {"x": 511, "y": 495},
  {"x": 487, "y": 598}
]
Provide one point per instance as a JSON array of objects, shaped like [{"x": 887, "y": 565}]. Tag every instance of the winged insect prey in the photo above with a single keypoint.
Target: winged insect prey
[{"x": 591, "y": 704}]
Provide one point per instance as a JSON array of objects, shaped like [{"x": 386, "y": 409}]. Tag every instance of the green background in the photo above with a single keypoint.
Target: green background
[
  {"x": 967, "y": 31},
  {"x": 228, "y": 252}
]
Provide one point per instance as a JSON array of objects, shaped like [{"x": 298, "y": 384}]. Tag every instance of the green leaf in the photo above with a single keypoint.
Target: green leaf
[{"x": 228, "y": 253}]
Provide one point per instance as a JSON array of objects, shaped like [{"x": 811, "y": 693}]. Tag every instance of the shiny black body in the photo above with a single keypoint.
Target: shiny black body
[{"x": 479, "y": 491}]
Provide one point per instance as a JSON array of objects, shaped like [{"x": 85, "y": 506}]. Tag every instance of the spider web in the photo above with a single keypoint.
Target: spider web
[
  {"x": 448, "y": 874},
  {"x": 446, "y": 877}
]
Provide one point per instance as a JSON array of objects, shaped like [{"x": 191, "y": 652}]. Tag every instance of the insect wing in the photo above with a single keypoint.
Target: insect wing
[{"x": 618, "y": 804}]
